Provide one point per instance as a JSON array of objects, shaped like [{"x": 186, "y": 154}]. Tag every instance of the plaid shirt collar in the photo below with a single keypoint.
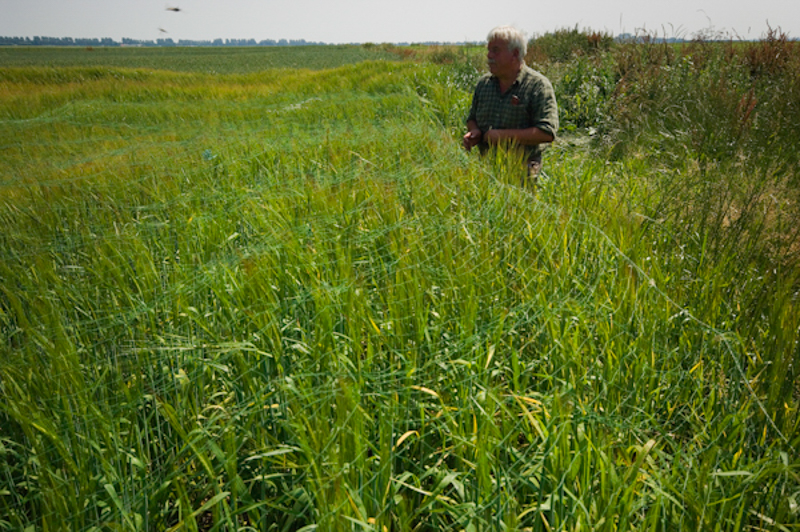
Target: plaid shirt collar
[{"x": 517, "y": 80}]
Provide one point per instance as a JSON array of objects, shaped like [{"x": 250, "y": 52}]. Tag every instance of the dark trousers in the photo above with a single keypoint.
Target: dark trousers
[{"x": 532, "y": 175}]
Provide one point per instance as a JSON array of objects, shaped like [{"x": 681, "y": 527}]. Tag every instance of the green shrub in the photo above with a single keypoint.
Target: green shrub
[
  {"x": 584, "y": 87},
  {"x": 563, "y": 44}
]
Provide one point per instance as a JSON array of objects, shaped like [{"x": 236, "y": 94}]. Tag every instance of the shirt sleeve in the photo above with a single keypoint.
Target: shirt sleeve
[
  {"x": 473, "y": 110},
  {"x": 544, "y": 108}
]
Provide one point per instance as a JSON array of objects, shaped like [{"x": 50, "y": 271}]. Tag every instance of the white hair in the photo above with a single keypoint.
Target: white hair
[{"x": 511, "y": 36}]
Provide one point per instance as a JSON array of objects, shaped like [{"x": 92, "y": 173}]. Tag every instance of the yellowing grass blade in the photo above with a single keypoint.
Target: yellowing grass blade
[
  {"x": 426, "y": 390},
  {"x": 404, "y": 437}
]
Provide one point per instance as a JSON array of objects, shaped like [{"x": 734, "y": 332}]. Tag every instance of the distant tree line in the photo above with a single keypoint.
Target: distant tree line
[{"x": 69, "y": 41}]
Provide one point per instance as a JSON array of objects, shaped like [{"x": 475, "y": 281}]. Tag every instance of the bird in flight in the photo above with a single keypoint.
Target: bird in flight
[{"x": 175, "y": 9}]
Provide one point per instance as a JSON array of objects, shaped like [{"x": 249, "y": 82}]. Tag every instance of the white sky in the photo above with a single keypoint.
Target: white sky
[{"x": 358, "y": 21}]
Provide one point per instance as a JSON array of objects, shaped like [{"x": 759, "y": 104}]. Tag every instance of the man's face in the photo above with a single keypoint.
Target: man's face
[{"x": 502, "y": 62}]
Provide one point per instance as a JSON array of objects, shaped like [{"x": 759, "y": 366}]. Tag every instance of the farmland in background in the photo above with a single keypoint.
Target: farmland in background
[
  {"x": 212, "y": 60},
  {"x": 236, "y": 294}
]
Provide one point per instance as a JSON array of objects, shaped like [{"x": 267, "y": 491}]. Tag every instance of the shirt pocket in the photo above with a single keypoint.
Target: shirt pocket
[{"x": 515, "y": 113}]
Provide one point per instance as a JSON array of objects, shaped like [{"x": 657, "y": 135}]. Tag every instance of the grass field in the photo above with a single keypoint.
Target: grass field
[
  {"x": 208, "y": 60},
  {"x": 240, "y": 298}
]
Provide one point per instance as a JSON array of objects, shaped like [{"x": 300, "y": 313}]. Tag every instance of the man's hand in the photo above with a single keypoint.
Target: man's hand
[{"x": 472, "y": 138}]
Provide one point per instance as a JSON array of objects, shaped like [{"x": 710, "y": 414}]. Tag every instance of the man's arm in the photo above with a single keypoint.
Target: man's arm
[
  {"x": 526, "y": 137},
  {"x": 473, "y": 135}
]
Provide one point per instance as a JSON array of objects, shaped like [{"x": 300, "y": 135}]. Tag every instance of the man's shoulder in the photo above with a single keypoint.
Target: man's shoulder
[
  {"x": 532, "y": 76},
  {"x": 534, "y": 82},
  {"x": 485, "y": 85}
]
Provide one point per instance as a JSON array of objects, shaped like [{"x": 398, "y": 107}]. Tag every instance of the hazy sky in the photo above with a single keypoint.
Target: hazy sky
[{"x": 345, "y": 21}]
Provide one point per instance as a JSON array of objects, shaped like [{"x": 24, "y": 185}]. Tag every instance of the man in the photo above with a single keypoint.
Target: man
[{"x": 513, "y": 104}]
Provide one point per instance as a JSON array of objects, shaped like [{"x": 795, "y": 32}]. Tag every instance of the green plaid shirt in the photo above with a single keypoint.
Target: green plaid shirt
[{"x": 530, "y": 102}]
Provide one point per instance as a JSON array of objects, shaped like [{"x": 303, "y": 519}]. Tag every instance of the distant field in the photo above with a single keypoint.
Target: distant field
[{"x": 220, "y": 60}]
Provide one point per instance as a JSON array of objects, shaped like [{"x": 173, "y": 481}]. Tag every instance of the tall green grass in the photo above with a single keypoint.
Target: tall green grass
[{"x": 289, "y": 301}]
